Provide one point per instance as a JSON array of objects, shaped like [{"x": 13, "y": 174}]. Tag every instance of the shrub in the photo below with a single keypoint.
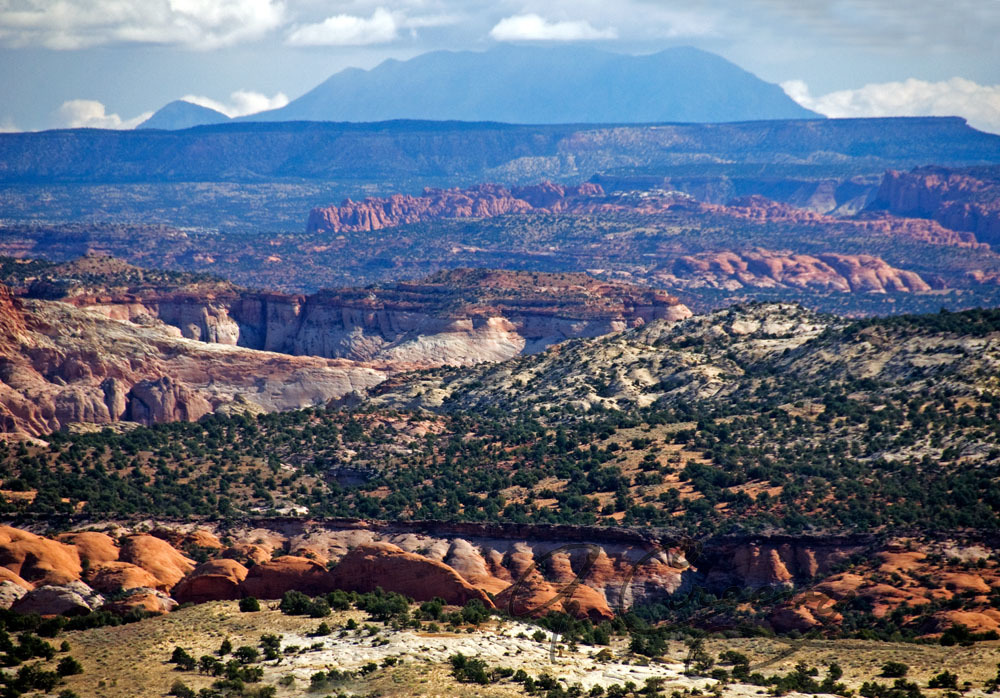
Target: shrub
[{"x": 249, "y": 605}]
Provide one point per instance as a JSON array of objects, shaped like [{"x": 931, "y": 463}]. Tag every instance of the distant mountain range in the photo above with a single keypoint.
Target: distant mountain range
[
  {"x": 530, "y": 85},
  {"x": 408, "y": 155}
]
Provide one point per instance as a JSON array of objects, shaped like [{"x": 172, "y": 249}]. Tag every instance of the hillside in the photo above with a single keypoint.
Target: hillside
[{"x": 544, "y": 85}]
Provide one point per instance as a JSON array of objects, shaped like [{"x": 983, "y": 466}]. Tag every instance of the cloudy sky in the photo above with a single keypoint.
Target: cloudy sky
[{"x": 109, "y": 63}]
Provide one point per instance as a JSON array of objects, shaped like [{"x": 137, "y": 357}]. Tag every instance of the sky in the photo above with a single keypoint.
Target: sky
[{"x": 111, "y": 63}]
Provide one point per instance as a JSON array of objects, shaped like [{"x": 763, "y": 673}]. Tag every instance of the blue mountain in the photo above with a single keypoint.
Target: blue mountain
[
  {"x": 180, "y": 114},
  {"x": 546, "y": 85}
]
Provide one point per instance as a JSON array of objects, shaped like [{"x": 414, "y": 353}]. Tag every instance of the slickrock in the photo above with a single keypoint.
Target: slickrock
[
  {"x": 37, "y": 559},
  {"x": 213, "y": 580},
  {"x": 270, "y": 580},
  {"x": 10, "y": 592},
  {"x": 109, "y": 577},
  {"x": 167, "y": 565},
  {"x": 94, "y": 547},
  {"x": 388, "y": 566},
  {"x": 763, "y": 268},
  {"x": 142, "y": 599}
]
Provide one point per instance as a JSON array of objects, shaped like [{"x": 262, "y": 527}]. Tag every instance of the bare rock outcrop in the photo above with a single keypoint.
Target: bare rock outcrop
[
  {"x": 956, "y": 200},
  {"x": 270, "y": 580},
  {"x": 165, "y": 563},
  {"x": 73, "y": 598},
  {"x": 10, "y": 592},
  {"x": 94, "y": 547},
  {"x": 762, "y": 268},
  {"x": 36, "y": 559},
  {"x": 110, "y": 577},
  {"x": 143, "y": 599},
  {"x": 385, "y": 565},
  {"x": 213, "y": 580}
]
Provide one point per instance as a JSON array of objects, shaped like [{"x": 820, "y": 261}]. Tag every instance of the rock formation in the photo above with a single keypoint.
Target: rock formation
[
  {"x": 64, "y": 365},
  {"x": 167, "y": 565},
  {"x": 214, "y": 580},
  {"x": 772, "y": 269},
  {"x": 480, "y": 201},
  {"x": 390, "y": 567},
  {"x": 72, "y": 598},
  {"x": 958, "y": 200},
  {"x": 36, "y": 559},
  {"x": 270, "y": 580}
]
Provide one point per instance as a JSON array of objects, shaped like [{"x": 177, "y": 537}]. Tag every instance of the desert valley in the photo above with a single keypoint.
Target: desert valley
[{"x": 674, "y": 398}]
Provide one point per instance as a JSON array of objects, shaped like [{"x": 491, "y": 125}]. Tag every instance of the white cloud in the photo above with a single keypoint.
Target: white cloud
[
  {"x": 241, "y": 102},
  {"x": 979, "y": 104},
  {"x": 532, "y": 27},
  {"x": 89, "y": 113},
  {"x": 8, "y": 126},
  {"x": 347, "y": 30},
  {"x": 76, "y": 24}
]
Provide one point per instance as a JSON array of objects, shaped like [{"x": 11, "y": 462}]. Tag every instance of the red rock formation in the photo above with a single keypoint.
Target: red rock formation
[
  {"x": 385, "y": 565},
  {"x": 8, "y": 576},
  {"x": 94, "y": 547},
  {"x": 38, "y": 560},
  {"x": 214, "y": 580},
  {"x": 188, "y": 540},
  {"x": 769, "y": 269},
  {"x": 954, "y": 199},
  {"x": 110, "y": 577},
  {"x": 166, "y": 564},
  {"x": 270, "y": 580}
]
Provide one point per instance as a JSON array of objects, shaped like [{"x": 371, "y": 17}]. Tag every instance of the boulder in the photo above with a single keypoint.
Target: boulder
[
  {"x": 37, "y": 559},
  {"x": 157, "y": 557},
  {"x": 385, "y": 565},
  {"x": 215, "y": 580},
  {"x": 73, "y": 598},
  {"x": 270, "y": 580}
]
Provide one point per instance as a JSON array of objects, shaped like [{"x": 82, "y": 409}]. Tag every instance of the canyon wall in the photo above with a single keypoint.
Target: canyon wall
[
  {"x": 459, "y": 317},
  {"x": 956, "y": 200}
]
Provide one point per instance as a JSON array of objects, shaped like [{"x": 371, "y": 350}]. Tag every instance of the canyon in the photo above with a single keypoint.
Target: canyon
[{"x": 111, "y": 351}]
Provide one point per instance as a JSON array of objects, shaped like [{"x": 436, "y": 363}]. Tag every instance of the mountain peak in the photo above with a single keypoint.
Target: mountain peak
[
  {"x": 542, "y": 84},
  {"x": 181, "y": 114}
]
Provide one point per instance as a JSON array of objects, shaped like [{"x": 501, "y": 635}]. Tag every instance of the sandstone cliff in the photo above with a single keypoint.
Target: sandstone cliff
[
  {"x": 457, "y": 317},
  {"x": 480, "y": 201},
  {"x": 62, "y": 365},
  {"x": 956, "y": 200}
]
